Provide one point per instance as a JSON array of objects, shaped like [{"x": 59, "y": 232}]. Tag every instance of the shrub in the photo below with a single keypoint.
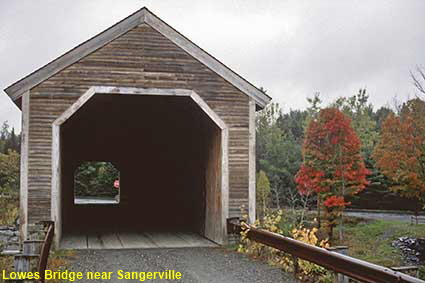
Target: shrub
[{"x": 307, "y": 271}]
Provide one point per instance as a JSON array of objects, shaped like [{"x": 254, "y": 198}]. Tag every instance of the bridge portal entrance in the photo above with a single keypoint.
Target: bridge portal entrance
[{"x": 169, "y": 148}]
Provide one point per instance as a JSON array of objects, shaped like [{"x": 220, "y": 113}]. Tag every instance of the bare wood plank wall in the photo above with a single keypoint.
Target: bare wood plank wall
[{"x": 140, "y": 58}]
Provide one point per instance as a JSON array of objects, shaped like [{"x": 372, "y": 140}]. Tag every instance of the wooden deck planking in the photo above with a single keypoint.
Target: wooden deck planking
[
  {"x": 74, "y": 242},
  {"x": 94, "y": 241},
  {"x": 134, "y": 240},
  {"x": 194, "y": 240},
  {"x": 168, "y": 240},
  {"x": 111, "y": 241}
]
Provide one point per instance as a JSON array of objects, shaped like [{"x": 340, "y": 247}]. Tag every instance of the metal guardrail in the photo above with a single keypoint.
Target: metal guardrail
[
  {"x": 45, "y": 249},
  {"x": 357, "y": 269}
]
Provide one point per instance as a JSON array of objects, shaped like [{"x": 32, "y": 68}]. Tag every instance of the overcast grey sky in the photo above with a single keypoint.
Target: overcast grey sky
[{"x": 291, "y": 48}]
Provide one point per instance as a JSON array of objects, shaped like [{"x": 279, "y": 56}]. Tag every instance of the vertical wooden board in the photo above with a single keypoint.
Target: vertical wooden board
[
  {"x": 224, "y": 182},
  {"x": 56, "y": 199},
  {"x": 23, "y": 205},
  {"x": 251, "y": 157},
  {"x": 213, "y": 213},
  {"x": 22, "y": 263}
]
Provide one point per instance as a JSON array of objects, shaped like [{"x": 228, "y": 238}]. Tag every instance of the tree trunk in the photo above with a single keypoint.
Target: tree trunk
[
  {"x": 277, "y": 198},
  {"x": 341, "y": 227},
  {"x": 318, "y": 211}
]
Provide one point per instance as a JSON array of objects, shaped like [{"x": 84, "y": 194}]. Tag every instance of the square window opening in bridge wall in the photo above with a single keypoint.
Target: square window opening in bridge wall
[{"x": 96, "y": 183}]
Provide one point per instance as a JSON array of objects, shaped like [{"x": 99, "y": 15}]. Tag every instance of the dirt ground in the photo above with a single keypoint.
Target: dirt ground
[{"x": 195, "y": 264}]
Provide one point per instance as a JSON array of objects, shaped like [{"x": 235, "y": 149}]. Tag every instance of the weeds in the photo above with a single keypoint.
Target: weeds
[
  {"x": 9, "y": 209},
  {"x": 307, "y": 271}
]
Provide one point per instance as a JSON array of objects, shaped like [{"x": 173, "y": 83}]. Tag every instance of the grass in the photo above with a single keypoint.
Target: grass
[
  {"x": 371, "y": 240},
  {"x": 59, "y": 260},
  {"x": 9, "y": 209},
  {"x": 6, "y": 263},
  {"x": 8, "y": 214}
]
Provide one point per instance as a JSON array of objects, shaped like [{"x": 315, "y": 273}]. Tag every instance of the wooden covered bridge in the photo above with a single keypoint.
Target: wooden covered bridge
[{"x": 177, "y": 123}]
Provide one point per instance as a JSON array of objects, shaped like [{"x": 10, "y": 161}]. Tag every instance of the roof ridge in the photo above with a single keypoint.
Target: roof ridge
[{"x": 143, "y": 15}]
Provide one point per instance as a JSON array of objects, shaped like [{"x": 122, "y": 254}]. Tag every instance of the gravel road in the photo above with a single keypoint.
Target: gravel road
[
  {"x": 195, "y": 264},
  {"x": 403, "y": 217}
]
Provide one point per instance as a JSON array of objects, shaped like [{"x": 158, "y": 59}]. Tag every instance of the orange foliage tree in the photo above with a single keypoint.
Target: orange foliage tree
[
  {"x": 400, "y": 153},
  {"x": 333, "y": 166}
]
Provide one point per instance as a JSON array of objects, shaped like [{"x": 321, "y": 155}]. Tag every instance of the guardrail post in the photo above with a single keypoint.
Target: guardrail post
[
  {"x": 340, "y": 278},
  {"x": 45, "y": 249},
  {"x": 296, "y": 265},
  {"x": 233, "y": 233}
]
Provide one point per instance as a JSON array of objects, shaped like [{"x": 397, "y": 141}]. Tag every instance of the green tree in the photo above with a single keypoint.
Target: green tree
[
  {"x": 380, "y": 115},
  {"x": 366, "y": 124},
  {"x": 361, "y": 112},
  {"x": 95, "y": 179},
  {"x": 263, "y": 193},
  {"x": 269, "y": 145},
  {"x": 292, "y": 123},
  {"x": 4, "y": 135},
  {"x": 279, "y": 153},
  {"x": 9, "y": 139},
  {"x": 9, "y": 173},
  {"x": 313, "y": 109},
  {"x": 12, "y": 142}
]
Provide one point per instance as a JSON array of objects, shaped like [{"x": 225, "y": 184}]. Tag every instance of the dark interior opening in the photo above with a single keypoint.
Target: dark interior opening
[{"x": 159, "y": 144}]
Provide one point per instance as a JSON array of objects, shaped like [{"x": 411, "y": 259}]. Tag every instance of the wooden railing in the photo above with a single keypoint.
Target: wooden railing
[
  {"x": 45, "y": 249},
  {"x": 354, "y": 268}
]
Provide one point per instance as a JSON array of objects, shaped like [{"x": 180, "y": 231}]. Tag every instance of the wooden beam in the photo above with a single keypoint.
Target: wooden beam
[
  {"x": 251, "y": 158},
  {"x": 204, "y": 106},
  {"x": 56, "y": 203},
  {"x": 224, "y": 181},
  {"x": 24, "y": 166}
]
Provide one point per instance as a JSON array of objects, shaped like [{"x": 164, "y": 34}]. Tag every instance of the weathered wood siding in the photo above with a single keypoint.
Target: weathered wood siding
[{"x": 140, "y": 58}]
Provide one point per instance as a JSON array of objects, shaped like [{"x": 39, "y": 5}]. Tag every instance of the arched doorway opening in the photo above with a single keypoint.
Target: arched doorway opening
[{"x": 170, "y": 149}]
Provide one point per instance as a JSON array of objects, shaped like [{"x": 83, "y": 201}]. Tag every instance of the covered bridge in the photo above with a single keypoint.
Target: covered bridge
[{"x": 177, "y": 123}]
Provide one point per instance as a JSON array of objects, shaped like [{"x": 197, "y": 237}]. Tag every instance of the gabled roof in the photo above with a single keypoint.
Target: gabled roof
[{"x": 142, "y": 16}]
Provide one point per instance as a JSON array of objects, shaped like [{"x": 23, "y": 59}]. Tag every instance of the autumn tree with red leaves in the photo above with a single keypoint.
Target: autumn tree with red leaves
[
  {"x": 333, "y": 166},
  {"x": 400, "y": 153}
]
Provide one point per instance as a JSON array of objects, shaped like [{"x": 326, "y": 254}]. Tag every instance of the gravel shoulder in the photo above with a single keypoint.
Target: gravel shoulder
[{"x": 195, "y": 264}]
